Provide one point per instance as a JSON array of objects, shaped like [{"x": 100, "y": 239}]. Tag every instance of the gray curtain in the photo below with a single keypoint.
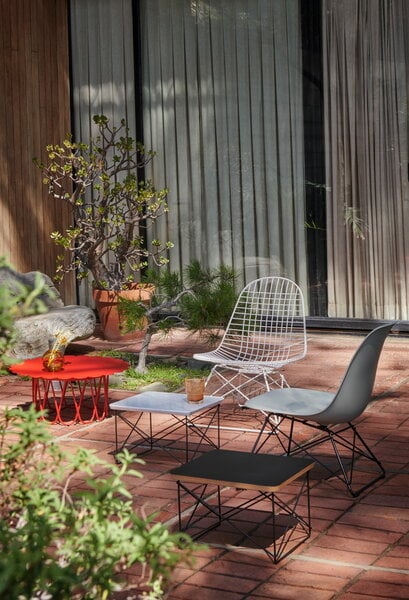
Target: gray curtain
[
  {"x": 366, "y": 60},
  {"x": 103, "y": 79},
  {"x": 222, "y": 107},
  {"x": 102, "y": 55}
]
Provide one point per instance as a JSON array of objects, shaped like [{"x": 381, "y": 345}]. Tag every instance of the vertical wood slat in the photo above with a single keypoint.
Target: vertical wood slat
[
  {"x": 5, "y": 101},
  {"x": 34, "y": 112}
]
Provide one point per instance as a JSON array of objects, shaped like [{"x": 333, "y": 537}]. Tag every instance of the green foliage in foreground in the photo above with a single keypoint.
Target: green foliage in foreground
[{"x": 58, "y": 543}]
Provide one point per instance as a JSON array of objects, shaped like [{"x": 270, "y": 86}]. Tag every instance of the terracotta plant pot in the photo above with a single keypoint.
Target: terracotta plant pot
[{"x": 106, "y": 304}]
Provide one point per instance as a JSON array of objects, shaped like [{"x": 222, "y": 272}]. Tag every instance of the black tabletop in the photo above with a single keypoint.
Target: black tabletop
[{"x": 264, "y": 472}]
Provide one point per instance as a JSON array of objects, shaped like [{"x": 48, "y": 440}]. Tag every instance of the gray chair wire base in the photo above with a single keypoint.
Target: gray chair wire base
[{"x": 354, "y": 445}]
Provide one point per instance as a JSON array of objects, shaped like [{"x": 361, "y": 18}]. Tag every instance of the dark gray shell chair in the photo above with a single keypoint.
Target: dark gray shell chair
[{"x": 329, "y": 413}]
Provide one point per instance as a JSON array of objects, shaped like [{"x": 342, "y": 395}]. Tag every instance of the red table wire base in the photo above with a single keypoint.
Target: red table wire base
[{"x": 76, "y": 394}]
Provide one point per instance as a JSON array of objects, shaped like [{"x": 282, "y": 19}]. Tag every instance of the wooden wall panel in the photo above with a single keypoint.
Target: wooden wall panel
[{"x": 34, "y": 112}]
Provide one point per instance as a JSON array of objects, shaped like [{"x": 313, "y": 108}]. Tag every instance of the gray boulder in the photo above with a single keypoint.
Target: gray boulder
[{"x": 35, "y": 332}]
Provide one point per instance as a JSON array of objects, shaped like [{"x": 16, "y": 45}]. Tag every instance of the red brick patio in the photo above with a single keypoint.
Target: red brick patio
[{"x": 359, "y": 548}]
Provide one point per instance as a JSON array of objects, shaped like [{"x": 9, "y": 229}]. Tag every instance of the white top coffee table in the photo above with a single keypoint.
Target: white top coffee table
[{"x": 194, "y": 420}]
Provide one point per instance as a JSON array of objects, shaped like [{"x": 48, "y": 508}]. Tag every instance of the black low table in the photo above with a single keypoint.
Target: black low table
[{"x": 264, "y": 474}]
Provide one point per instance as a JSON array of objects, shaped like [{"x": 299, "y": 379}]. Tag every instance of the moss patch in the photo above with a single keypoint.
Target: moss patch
[{"x": 170, "y": 372}]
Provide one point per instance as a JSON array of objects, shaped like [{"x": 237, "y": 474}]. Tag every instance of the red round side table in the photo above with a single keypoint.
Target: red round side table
[{"x": 79, "y": 390}]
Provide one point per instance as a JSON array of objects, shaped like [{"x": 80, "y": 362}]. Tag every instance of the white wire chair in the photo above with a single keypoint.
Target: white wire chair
[{"x": 266, "y": 331}]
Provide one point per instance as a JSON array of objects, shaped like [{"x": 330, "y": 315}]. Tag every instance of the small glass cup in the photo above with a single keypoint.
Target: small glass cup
[{"x": 195, "y": 389}]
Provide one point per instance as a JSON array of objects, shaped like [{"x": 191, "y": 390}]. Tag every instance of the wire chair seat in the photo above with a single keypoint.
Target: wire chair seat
[{"x": 247, "y": 362}]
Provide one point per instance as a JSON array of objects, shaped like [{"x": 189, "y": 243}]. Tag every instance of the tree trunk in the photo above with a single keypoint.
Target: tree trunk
[{"x": 141, "y": 367}]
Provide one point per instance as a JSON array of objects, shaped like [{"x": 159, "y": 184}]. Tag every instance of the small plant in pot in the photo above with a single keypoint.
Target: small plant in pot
[{"x": 112, "y": 208}]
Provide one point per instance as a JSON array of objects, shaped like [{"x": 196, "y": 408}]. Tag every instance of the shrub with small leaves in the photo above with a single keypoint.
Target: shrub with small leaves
[{"x": 57, "y": 542}]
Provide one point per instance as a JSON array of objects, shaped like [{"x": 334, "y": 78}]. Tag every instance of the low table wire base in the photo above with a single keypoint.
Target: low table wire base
[
  {"x": 288, "y": 529},
  {"x": 149, "y": 441},
  {"x": 66, "y": 402},
  {"x": 253, "y": 480}
]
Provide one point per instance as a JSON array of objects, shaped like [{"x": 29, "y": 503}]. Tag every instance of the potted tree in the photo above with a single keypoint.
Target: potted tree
[{"x": 112, "y": 208}]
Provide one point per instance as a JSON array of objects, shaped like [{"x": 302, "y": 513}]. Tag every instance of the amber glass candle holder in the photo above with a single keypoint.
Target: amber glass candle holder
[{"x": 195, "y": 389}]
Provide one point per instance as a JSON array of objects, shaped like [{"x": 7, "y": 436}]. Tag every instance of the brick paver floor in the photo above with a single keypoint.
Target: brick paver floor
[{"x": 359, "y": 547}]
